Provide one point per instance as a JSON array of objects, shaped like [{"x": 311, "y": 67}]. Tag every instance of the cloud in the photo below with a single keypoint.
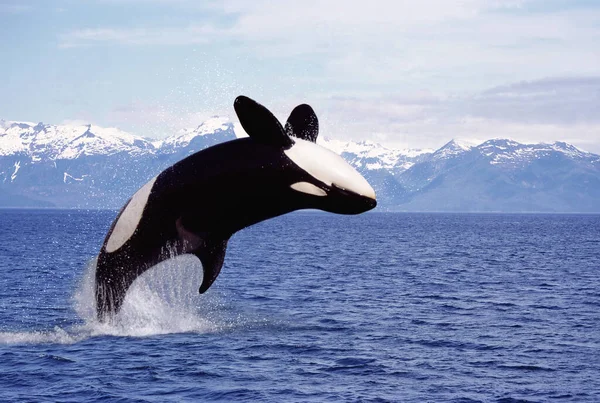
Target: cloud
[
  {"x": 546, "y": 110},
  {"x": 265, "y": 21},
  {"x": 447, "y": 44},
  {"x": 14, "y": 8},
  {"x": 563, "y": 100},
  {"x": 136, "y": 36},
  {"x": 75, "y": 122},
  {"x": 553, "y": 109},
  {"x": 403, "y": 73}
]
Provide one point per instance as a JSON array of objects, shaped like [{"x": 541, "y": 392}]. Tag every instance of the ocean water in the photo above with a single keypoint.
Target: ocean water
[{"x": 311, "y": 307}]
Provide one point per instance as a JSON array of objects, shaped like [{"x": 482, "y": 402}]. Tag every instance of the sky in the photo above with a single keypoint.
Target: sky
[{"x": 406, "y": 74}]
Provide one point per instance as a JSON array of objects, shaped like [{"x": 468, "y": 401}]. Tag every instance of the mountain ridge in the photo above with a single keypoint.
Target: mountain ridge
[{"x": 90, "y": 166}]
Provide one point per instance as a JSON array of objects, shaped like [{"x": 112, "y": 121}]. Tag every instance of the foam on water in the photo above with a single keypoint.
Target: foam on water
[
  {"x": 56, "y": 336},
  {"x": 163, "y": 300}
]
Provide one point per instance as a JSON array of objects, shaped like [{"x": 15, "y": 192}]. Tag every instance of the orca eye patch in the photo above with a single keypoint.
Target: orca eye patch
[{"x": 308, "y": 188}]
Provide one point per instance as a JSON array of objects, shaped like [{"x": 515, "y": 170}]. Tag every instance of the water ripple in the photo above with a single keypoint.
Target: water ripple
[{"x": 311, "y": 307}]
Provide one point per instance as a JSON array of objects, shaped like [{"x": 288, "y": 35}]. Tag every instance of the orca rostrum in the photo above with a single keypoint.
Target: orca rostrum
[{"x": 196, "y": 205}]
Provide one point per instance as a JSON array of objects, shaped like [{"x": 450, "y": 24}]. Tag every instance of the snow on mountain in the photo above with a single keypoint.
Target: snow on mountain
[
  {"x": 451, "y": 149},
  {"x": 511, "y": 153},
  {"x": 17, "y": 166},
  {"x": 53, "y": 142},
  {"x": 372, "y": 156},
  {"x": 508, "y": 152},
  {"x": 214, "y": 125}
]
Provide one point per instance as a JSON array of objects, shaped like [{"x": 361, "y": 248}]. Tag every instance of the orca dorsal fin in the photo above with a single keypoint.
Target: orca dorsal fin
[
  {"x": 260, "y": 124},
  {"x": 303, "y": 123}
]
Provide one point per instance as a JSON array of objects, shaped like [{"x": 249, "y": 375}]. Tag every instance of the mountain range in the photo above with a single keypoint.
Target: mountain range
[{"x": 87, "y": 166}]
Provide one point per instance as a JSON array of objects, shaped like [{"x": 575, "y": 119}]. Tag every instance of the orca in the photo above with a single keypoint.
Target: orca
[{"x": 196, "y": 205}]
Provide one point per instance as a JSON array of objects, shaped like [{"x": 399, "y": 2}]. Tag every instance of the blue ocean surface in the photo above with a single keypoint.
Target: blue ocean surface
[{"x": 311, "y": 307}]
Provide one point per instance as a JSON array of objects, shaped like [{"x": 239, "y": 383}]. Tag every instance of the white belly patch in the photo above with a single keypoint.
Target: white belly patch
[{"x": 130, "y": 218}]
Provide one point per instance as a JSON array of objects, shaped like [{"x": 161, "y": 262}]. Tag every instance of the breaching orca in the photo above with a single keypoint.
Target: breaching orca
[{"x": 196, "y": 205}]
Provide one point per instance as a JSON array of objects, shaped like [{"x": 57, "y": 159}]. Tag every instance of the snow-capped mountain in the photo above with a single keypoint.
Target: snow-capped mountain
[
  {"x": 511, "y": 153},
  {"x": 64, "y": 142},
  {"x": 504, "y": 175},
  {"x": 372, "y": 156},
  {"x": 213, "y": 131},
  {"x": 90, "y": 166},
  {"x": 451, "y": 149}
]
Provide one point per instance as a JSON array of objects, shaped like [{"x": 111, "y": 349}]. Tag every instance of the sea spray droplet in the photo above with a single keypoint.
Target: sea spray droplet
[{"x": 163, "y": 300}]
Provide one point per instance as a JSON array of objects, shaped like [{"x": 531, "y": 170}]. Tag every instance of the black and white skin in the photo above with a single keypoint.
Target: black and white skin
[{"x": 196, "y": 205}]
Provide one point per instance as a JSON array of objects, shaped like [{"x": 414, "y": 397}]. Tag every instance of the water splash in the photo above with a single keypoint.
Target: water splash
[{"x": 163, "y": 300}]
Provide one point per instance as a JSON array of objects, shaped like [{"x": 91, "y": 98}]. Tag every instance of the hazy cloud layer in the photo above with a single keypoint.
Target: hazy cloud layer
[
  {"x": 405, "y": 73},
  {"x": 544, "y": 110},
  {"x": 450, "y": 44},
  {"x": 534, "y": 111}
]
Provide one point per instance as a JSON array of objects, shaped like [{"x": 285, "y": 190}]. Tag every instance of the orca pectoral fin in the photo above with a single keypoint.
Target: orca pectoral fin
[
  {"x": 303, "y": 123},
  {"x": 212, "y": 256},
  {"x": 209, "y": 248},
  {"x": 260, "y": 124}
]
